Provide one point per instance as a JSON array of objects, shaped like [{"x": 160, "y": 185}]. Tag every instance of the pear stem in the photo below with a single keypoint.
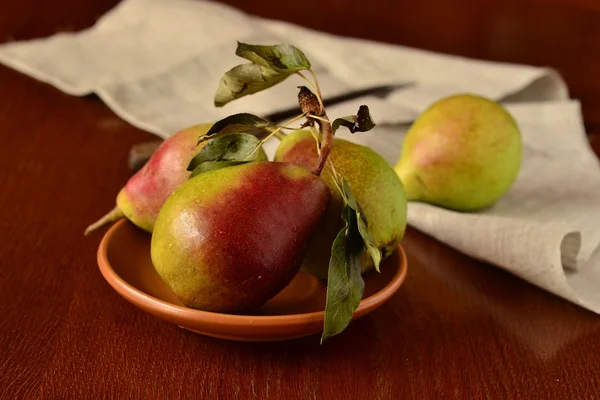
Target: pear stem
[
  {"x": 311, "y": 107},
  {"x": 111, "y": 216},
  {"x": 326, "y": 144},
  {"x": 315, "y": 135}
]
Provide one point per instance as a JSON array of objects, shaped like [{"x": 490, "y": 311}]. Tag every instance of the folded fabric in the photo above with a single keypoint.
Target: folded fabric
[{"x": 157, "y": 63}]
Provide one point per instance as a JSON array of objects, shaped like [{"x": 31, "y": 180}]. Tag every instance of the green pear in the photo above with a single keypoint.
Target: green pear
[
  {"x": 462, "y": 153},
  {"x": 372, "y": 181},
  {"x": 145, "y": 192},
  {"x": 228, "y": 240}
]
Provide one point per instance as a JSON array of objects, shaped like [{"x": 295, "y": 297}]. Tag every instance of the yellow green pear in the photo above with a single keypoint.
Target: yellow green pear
[
  {"x": 372, "y": 181},
  {"x": 462, "y": 153}
]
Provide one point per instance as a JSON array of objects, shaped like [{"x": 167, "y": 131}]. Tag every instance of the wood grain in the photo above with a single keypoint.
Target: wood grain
[{"x": 457, "y": 328}]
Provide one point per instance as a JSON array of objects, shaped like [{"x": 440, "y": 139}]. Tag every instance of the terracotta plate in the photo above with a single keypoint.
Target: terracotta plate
[{"x": 124, "y": 260}]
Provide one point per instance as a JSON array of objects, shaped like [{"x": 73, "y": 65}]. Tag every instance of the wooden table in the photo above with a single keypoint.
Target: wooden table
[{"x": 457, "y": 328}]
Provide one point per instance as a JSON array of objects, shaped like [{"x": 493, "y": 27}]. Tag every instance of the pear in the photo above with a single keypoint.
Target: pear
[
  {"x": 146, "y": 191},
  {"x": 462, "y": 153},
  {"x": 228, "y": 240},
  {"x": 372, "y": 181}
]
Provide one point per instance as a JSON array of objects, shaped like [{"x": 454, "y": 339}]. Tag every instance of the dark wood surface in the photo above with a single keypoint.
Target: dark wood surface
[{"x": 457, "y": 328}]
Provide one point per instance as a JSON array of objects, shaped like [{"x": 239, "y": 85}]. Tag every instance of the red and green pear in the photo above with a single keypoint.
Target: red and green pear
[
  {"x": 144, "y": 194},
  {"x": 230, "y": 239}
]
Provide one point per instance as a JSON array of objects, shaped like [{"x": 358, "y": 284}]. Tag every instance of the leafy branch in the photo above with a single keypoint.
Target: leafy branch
[
  {"x": 275, "y": 132},
  {"x": 230, "y": 144},
  {"x": 269, "y": 65}
]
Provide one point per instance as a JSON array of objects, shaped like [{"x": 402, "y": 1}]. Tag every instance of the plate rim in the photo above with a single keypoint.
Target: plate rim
[{"x": 143, "y": 300}]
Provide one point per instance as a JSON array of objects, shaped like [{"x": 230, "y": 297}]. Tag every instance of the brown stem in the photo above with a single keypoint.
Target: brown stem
[
  {"x": 326, "y": 144},
  {"x": 111, "y": 216}
]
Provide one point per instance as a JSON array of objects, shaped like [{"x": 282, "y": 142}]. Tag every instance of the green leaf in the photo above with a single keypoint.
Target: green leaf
[
  {"x": 363, "y": 226},
  {"x": 361, "y": 122},
  {"x": 281, "y": 57},
  {"x": 270, "y": 65},
  {"x": 236, "y": 123},
  {"x": 213, "y": 165},
  {"x": 373, "y": 250},
  {"x": 244, "y": 80},
  {"x": 345, "y": 285},
  {"x": 238, "y": 147}
]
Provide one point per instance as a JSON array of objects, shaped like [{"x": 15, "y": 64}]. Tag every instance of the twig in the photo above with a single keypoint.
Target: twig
[
  {"x": 273, "y": 133},
  {"x": 315, "y": 135},
  {"x": 326, "y": 143},
  {"x": 319, "y": 118},
  {"x": 316, "y": 84}
]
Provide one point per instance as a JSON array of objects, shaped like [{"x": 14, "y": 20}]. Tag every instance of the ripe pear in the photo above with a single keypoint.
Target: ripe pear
[
  {"x": 230, "y": 239},
  {"x": 372, "y": 181},
  {"x": 145, "y": 192},
  {"x": 462, "y": 153}
]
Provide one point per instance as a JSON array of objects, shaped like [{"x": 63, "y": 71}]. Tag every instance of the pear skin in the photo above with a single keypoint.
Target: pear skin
[
  {"x": 462, "y": 153},
  {"x": 145, "y": 192},
  {"x": 228, "y": 240},
  {"x": 372, "y": 181}
]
